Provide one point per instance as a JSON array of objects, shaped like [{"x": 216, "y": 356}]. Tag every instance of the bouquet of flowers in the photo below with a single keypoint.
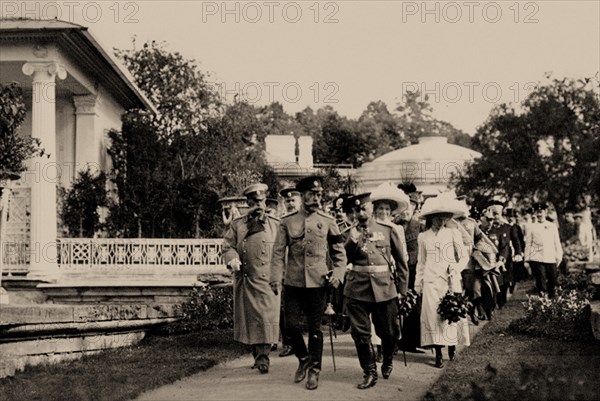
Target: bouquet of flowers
[
  {"x": 453, "y": 307},
  {"x": 408, "y": 302}
]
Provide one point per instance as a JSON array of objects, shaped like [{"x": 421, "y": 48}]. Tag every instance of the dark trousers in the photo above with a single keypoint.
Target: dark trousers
[
  {"x": 545, "y": 277},
  {"x": 285, "y": 335},
  {"x": 311, "y": 302},
  {"x": 384, "y": 319}
]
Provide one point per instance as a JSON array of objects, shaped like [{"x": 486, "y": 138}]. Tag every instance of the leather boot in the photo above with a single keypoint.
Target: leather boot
[
  {"x": 313, "y": 378},
  {"x": 315, "y": 350},
  {"x": 302, "y": 368},
  {"x": 387, "y": 367},
  {"x": 388, "y": 346},
  {"x": 366, "y": 358}
]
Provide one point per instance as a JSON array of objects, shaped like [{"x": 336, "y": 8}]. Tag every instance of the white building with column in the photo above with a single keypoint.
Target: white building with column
[{"x": 75, "y": 92}]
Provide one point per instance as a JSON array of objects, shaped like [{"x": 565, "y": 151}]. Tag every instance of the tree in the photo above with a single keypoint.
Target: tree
[
  {"x": 416, "y": 120},
  {"x": 82, "y": 202},
  {"x": 14, "y": 148},
  {"x": 548, "y": 149}
]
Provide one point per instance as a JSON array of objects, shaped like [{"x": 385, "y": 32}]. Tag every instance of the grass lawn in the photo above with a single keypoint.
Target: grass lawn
[
  {"x": 500, "y": 365},
  {"x": 123, "y": 373}
]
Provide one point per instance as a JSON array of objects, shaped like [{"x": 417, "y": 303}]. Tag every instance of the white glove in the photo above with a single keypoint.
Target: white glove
[{"x": 235, "y": 265}]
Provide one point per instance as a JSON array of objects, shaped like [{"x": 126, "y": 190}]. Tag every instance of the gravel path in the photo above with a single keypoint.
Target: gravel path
[{"x": 235, "y": 380}]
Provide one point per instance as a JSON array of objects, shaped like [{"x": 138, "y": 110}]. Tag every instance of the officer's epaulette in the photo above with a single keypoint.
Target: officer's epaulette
[
  {"x": 322, "y": 213},
  {"x": 289, "y": 214}
]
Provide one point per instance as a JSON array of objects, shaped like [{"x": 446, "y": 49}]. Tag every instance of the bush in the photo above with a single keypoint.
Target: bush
[
  {"x": 579, "y": 281},
  {"x": 564, "y": 317},
  {"x": 206, "y": 308}
]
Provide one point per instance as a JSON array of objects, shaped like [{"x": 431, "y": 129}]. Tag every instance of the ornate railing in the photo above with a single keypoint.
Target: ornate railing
[
  {"x": 76, "y": 253},
  {"x": 119, "y": 253}
]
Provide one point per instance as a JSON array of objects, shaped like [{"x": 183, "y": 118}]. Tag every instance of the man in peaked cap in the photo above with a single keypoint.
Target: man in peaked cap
[
  {"x": 247, "y": 251},
  {"x": 291, "y": 198},
  {"x": 376, "y": 252},
  {"x": 308, "y": 236}
]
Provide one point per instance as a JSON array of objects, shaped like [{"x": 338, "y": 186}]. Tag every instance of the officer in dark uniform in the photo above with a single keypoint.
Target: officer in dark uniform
[
  {"x": 247, "y": 249},
  {"x": 291, "y": 199},
  {"x": 309, "y": 236},
  {"x": 502, "y": 236},
  {"x": 370, "y": 287},
  {"x": 409, "y": 220}
]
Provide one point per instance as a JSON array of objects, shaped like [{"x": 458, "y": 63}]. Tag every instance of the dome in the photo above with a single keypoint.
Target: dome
[{"x": 429, "y": 165}]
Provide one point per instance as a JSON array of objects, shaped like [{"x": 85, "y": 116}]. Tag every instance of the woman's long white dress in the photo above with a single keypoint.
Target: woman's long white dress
[{"x": 438, "y": 270}]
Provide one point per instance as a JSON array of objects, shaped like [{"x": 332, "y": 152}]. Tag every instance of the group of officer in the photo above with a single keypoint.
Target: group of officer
[
  {"x": 285, "y": 268},
  {"x": 297, "y": 260}
]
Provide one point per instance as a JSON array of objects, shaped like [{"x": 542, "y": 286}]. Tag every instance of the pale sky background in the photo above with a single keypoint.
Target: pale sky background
[{"x": 369, "y": 50}]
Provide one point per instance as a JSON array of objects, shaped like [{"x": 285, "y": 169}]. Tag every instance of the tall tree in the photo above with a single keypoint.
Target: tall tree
[{"x": 547, "y": 149}]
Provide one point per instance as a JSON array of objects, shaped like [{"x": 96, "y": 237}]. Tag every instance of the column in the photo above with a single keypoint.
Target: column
[
  {"x": 4, "y": 194},
  {"x": 87, "y": 144},
  {"x": 43, "y": 248}
]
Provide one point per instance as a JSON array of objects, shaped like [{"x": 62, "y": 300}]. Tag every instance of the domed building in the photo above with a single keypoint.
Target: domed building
[{"x": 429, "y": 164}]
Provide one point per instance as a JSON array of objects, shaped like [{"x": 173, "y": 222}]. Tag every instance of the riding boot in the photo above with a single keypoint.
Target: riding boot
[
  {"x": 388, "y": 347},
  {"x": 366, "y": 358},
  {"x": 315, "y": 350},
  {"x": 302, "y": 368}
]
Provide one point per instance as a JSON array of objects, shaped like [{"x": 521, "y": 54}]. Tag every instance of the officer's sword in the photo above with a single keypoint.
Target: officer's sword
[{"x": 329, "y": 312}]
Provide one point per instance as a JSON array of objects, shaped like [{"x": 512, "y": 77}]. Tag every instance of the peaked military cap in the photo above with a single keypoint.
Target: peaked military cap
[
  {"x": 338, "y": 203},
  {"x": 289, "y": 192},
  {"x": 256, "y": 191},
  {"x": 348, "y": 204},
  {"x": 540, "y": 206},
  {"x": 361, "y": 199},
  {"x": 313, "y": 183}
]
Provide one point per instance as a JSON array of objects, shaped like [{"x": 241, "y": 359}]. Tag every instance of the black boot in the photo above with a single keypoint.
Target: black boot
[
  {"x": 379, "y": 355},
  {"x": 387, "y": 367},
  {"x": 315, "y": 350},
  {"x": 366, "y": 358},
  {"x": 438, "y": 357},
  {"x": 388, "y": 346},
  {"x": 451, "y": 352},
  {"x": 302, "y": 368}
]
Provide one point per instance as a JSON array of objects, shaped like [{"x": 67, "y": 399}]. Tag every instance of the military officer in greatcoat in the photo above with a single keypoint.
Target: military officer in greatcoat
[
  {"x": 309, "y": 236},
  {"x": 247, "y": 251},
  {"x": 370, "y": 289}
]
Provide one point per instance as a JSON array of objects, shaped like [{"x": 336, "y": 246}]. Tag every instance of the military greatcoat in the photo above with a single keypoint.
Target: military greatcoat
[{"x": 256, "y": 307}]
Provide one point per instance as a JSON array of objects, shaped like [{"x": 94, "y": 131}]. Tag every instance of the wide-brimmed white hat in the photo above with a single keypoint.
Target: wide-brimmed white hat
[
  {"x": 443, "y": 203},
  {"x": 388, "y": 192}
]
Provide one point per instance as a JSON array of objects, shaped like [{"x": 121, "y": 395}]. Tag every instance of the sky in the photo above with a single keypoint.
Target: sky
[{"x": 466, "y": 55}]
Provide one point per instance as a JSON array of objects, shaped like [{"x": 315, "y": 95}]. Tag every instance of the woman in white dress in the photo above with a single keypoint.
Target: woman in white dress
[{"x": 438, "y": 272}]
